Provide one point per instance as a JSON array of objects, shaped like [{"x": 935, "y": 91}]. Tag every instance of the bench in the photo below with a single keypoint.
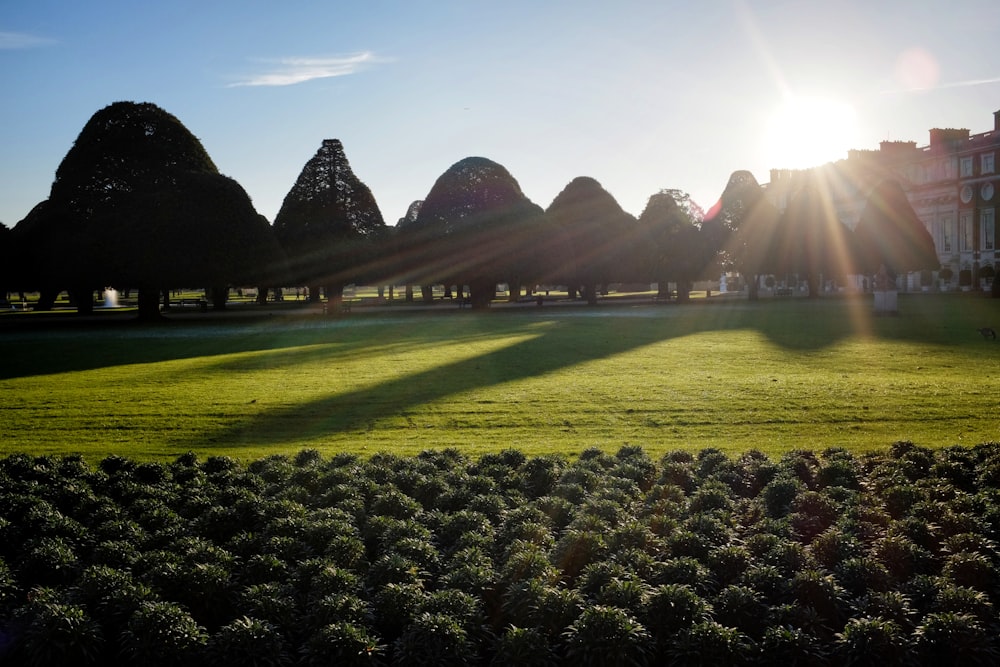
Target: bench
[{"x": 200, "y": 304}]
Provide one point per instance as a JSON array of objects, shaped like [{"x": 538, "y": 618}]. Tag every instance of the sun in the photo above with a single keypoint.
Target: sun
[{"x": 809, "y": 131}]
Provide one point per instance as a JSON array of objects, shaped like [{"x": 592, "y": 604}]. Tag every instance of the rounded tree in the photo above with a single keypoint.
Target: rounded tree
[
  {"x": 477, "y": 228},
  {"x": 137, "y": 202},
  {"x": 598, "y": 238},
  {"x": 329, "y": 225},
  {"x": 675, "y": 248}
]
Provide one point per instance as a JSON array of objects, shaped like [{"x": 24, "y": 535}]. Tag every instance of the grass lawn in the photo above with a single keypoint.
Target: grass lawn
[{"x": 774, "y": 375}]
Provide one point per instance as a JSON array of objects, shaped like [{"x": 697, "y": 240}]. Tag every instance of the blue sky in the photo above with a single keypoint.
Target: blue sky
[{"x": 641, "y": 95}]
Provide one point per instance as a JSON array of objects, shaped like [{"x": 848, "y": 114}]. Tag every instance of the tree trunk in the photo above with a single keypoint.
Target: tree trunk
[
  {"x": 334, "y": 298},
  {"x": 481, "y": 293},
  {"x": 313, "y": 294},
  {"x": 219, "y": 296},
  {"x": 683, "y": 291},
  {"x": 409, "y": 293},
  {"x": 47, "y": 299},
  {"x": 427, "y": 292},
  {"x": 261, "y": 296},
  {"x": 753, "y": 290},
  {"x": 513, "y": 292},
  {"x": 149, "y": 305},
  {"x": 84, "y": 301}
]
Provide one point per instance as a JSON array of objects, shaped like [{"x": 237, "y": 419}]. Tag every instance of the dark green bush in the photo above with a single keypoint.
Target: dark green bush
[
  {"x": 248, "y": 642},
  {"x": 607, "y": 636},
  {"x": 773, "y": 561}
]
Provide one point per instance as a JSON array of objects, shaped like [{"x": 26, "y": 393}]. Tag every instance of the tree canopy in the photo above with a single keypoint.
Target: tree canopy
[
  {"x": 675, "y": 248},
  {"x": 137, "y": 202},
  {"x": 811, "y": 241},
  {"x": 890, "y": 234},
  {"x": 329, "y": 223},
  {"x": 597, "y": 236},
  {"x": 476, "y": 228},
  {"x": 747, "y": 222}
]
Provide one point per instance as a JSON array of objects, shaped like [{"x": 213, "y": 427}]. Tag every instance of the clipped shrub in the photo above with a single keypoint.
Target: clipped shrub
[
  {"x": 529, "y": 647},
  {"x": 742, "y": 608},
  {"x": 248, "y": 642},
  {"x": 779, "y": 494},
  {"x": 434, "y": 639},
  {"x": 947, "y": 638},
  {"x": 670, "y": 608},
  {"x": 970, "y": 569},
  {"x": 342, "y": 643},
  {"x": 786, "y": 645},
  {"x": 866, "y": 641},
  {"x": 710, "y": 643},
  {"x": 607, "y": 636},
  {"x": 60, "y": 634},
  {"x": 162, "y": 633}
]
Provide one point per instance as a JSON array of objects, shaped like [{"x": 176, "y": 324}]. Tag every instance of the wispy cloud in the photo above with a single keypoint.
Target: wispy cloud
[
  {"x": 290, "y": 71},
  {"x": 20, "y": 40},
  {"x": 943, "y": 86}
]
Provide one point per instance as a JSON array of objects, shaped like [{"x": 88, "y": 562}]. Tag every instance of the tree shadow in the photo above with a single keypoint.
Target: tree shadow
[{"x": 545, "y": 342}]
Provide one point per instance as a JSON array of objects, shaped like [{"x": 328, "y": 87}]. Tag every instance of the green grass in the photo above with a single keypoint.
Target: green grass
[{"x": 774, "y": 375}]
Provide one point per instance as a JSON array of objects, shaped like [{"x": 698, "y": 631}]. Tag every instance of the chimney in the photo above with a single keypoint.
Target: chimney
[{"x": 996, "y": 121}]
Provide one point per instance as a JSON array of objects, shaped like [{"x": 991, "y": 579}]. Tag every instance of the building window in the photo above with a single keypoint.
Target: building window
[
  {"x": 965, "y": 167},
  {"x": 946, "y": 234},
  {"x": 965, "y": 231},
  {"x": 988, "y": 164},
  {"x": 989, "y": 231},
  {"x": 949, "y": 168}
]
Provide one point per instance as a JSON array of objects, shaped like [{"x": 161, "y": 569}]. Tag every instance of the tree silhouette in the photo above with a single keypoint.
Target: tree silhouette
[
  {"x": 890, "y": 234},
  {"x": 598, "y": 237},
  {"x": 137, "y": 202},
  {"x": 675, "y": 248},
  {"x": 329, "y": 224},
  {"x": 811, "y": 241},
  {"x": 747, "y": 222},
  {"x": 476, "y": 228},
  {"x": 7, "y": 259}
]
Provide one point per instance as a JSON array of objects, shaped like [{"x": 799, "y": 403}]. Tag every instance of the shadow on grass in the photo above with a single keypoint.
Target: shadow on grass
[{"x": 568, "y": 338}]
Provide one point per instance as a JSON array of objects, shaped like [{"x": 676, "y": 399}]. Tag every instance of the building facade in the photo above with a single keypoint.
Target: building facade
[{"x": 952, "y": 184}]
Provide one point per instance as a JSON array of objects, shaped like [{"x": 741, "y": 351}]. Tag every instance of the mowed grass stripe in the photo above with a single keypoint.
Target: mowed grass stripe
[{"x": 772, "y": 376}]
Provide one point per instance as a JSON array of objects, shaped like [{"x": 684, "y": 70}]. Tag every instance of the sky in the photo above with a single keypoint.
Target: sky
[{"x": 642, "y": 95}]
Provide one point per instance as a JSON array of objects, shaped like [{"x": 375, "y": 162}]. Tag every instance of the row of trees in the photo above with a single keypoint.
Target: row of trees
[{"x": 137, "y": 202}]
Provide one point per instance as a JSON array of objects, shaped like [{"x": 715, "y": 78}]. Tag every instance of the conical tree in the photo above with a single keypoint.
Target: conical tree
[
  {"x": 748, "y": 223},
  {"x": 598, "y": 237},
  {"x": 811, "y": 241},
  {"x": 329, "y": 225},
  {"x": 890, "y": 234},
  {"x": 137, "y": 202},
  {"x": 476, "y": 228}
]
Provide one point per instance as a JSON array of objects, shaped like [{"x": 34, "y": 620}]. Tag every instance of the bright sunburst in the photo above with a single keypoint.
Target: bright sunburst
[{"x": 809, "y": 131}]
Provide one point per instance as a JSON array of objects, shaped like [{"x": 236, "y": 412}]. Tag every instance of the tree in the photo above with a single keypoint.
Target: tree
[
  {"x": 811, "y": 241},
  {"x": 137, "y": 202},
  {"x": 676, "y": 249},
  {"x": 747, "y": 223},
  {"x": 890, "y": 234},
  {"x": 329, "y": 224},
  {"x": 598, "y": 238},
  {"x": 7, "y": 258},
  {"x": 476, "y": 228}
]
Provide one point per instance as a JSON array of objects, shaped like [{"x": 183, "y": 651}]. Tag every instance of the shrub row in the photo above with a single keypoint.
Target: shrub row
[{"x": 815, "y": 559}]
